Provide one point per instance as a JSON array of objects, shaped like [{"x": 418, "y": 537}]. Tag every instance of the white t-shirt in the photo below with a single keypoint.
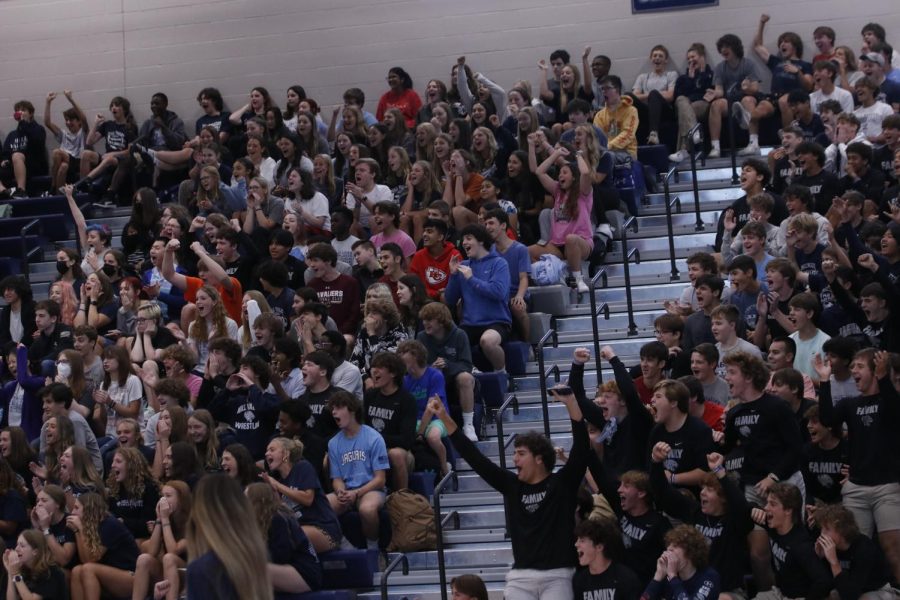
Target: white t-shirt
[
  {"x": 132, "y": 391},
  {"x": 345, "y": 249},
  {"x": 71, "y": 143},
  {"x": 15, "y": 406},
  {"x": 317, "y": 206},
  {"x": 380, "y": 193},
  {"x": 840, "y": 94},
  {"x": 806, "y": 350},
  {"x": 870, "y": 118},
  {"x": 16, "y": 329},
  {"x": 267, "y": 169}
]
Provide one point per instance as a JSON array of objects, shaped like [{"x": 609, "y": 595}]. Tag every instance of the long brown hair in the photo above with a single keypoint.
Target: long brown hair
[
  {"x": 93, "y": 511},
  {"x": 122, "y": 356},
  {"x": 239, "y": 546},
  {"x": 77, "y": 381},
  {"x": 183, "y": 512},
  {"x": 65, "y": 438},
  {"x": 198, "y": 331},
  {"x": 43, "y": 558},
  {"x": 208, "y": 453},
  {"x": 10, "y": 481}
]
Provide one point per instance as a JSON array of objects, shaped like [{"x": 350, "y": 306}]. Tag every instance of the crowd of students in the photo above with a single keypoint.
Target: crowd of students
[{"x": 295, "y": 308}]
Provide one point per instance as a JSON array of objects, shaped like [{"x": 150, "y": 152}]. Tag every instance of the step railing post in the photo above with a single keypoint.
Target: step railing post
[
  {"x": 595, "y": 313},
  {"x": 674, "y": 275},
  {"x": 551, "y": 334},
  {"x": 626, "y": 258},
  {"x": 449, "y": 478}
]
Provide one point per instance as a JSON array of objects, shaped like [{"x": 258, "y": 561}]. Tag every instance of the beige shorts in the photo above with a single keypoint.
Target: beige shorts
[{"x": 875, "y": 507}]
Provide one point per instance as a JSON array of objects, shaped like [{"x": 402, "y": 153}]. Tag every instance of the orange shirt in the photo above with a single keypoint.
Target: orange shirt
[{"x": 232, "y": 300}]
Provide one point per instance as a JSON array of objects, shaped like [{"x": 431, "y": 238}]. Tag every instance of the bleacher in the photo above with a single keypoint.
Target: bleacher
[{"x": 471, "y": 513}]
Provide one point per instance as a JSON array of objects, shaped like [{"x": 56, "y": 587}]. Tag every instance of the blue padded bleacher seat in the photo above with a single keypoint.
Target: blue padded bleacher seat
[
  {"x": 11, "y": 253},
  {"x": 351, "y": 525},
  {"x": 656, "y": 157},
  {"x": 320, "y": 595},
  {"x": 53, "y": 226},
  {"x": 342, "y": 569},
  {"x": 493, "y": 388},
  {"x": 516, "y": 357},
  {"x": 422, "y": 482}
]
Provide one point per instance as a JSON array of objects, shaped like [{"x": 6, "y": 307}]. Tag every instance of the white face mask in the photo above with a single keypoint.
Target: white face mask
[{"x": 64, "y": 369}]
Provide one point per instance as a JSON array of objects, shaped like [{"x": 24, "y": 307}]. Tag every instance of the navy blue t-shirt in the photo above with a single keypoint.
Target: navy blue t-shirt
[
  {"x": 220, "y": 123},
  {"x": 288, "y": 545},
  {"x": 783, "y": 82},
  {"x": 121, "y": 550},
  {"x": 207, "y": 580},
  {"x": 116, "y": 135},
  {"x": 319, "y": 513}
]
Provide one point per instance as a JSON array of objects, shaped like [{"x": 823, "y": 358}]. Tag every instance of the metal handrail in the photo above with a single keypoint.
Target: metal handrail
[
  {"x": 449, "y": 478},
  {"x": 626, "y": 256},
  {"x": 513, "y": 400},
  {"x": 731, "y": 149},
  {"x": 595, "y": 312},
  {"x": 545, "y": 374},
  {"x": 26, "y": 253},
  {"x": 695, "y": 185},
  {"x": 399, "y": 559},
  {"x": 674, "y": 276}
]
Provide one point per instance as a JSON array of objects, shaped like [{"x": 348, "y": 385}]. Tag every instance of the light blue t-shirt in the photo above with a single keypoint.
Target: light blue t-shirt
[{"x": 356, "y": 459}]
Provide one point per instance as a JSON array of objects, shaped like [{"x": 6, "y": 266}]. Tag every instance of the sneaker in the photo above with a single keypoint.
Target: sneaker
[
  {"x": 469, "y": 432},
  {"x": 82, "y": 185},
  {"x": 714, "y": 153},
  {"x": 678, "y": 156},
  {"x": 583, "y": 287},
  {"x": 752, "y": 149},
  {"x": 698, "y": 137},
  {"x": 653, "y": 139},
  {"x": 19, "y": 193},
  {"x": 741, "y": 114}
]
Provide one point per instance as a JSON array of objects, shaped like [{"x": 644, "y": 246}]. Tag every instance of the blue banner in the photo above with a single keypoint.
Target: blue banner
[{"x": 641, "y": 6}]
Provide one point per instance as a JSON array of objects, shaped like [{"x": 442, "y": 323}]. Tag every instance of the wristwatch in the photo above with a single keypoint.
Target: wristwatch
[
  {"x": 17, "y": 578},
  {"x": 46, "y": 531}
]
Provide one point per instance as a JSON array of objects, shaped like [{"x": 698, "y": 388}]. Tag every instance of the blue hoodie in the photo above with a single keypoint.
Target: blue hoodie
[{"x": 485, "y": 295}]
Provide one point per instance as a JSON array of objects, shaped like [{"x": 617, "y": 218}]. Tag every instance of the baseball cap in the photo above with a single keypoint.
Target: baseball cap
[{"x": 873, "y": 57}]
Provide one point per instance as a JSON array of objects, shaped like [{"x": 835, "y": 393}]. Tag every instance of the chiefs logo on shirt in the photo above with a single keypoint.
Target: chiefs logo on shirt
[{"x": 435, "y": 276}]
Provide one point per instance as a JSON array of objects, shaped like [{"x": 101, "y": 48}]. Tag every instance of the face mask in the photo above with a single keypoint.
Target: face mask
[
  {"x": 109, "y": 270},
  {"x": 62, "y": 267},
  {"x": 64, "y": 369},
  {"x": 17, "y": 115}
]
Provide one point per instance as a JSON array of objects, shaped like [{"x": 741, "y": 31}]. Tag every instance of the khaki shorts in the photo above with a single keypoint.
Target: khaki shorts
[{"x": 875, "y": 507}]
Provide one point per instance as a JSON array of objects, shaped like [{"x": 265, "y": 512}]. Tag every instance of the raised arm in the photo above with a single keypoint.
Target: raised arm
[
  {"x": 48, "y": 118},
  {"x": 462, "y": 84},
  {"x": 545, "y": 94},
  {"x": 81, "y": 116},
  {"x": 759, "y": 45},
  {"x": 78, "y": 217},
  {"x": 213, "y": 267},
  {"x": 586, "y": 79},
  {"x": 585, "y": 182},
  {"x": 167, "y": 270},
  {"x": 548, "y": 182},
  {"x": 235, "y": 117}
]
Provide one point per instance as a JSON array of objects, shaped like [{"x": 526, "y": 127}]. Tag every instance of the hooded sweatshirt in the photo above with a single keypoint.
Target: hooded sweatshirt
[
  {"x": 434, "y": 272},
  {"x": 485, "y": 294},
  {"x": 620, "y": 126}
]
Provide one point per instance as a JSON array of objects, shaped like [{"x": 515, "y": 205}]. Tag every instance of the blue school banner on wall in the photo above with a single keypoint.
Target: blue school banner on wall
[{"x": 641, "y": 6}]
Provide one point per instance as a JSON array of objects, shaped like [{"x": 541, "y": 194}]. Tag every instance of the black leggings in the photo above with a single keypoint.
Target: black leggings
[{"x": 651, "y": 113}]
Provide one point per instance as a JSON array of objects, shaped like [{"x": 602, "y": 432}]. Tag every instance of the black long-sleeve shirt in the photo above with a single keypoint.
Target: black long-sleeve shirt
[
  {"x": 799, "y": 573},
  {"x": 689, "y": 445},
  {"x": 768, "y": 433},
  {"x": 862, "y": 569},
  {"x": 871, "y": 432},
  {"x": 624, "y": 451},
  {"x": 727, "y": 534},
  {"x": 541, "y": 515},
  {"x": 822, "y": 472}
]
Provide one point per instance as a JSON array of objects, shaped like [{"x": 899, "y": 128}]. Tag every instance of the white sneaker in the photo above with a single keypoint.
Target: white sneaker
[
  {"x": 698, "y": 137},
  {"x": 714, "y": 153},
  {"x": 678, "y": 156},
  {"x": 752, "y": 149},
  {"x": 741, "y": 114},
  {"x": 582, "y": 287},
  {"x": 469, "y": 432},
  {"x": 653, "y": 139}
]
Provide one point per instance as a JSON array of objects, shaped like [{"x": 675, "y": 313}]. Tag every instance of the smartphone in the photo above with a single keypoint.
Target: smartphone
[{"x": 562, "y": 391}]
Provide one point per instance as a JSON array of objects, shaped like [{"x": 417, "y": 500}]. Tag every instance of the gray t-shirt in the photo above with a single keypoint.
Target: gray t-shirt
[
  {"x": 661, "y": 82},
  {"x": 729, "y": 78},
  {"x": 717, "y": 391},
  {"x": 94, "y": 372}
]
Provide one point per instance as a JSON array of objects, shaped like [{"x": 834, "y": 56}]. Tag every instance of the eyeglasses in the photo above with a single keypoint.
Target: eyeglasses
[{"x": 142, "y": 320}]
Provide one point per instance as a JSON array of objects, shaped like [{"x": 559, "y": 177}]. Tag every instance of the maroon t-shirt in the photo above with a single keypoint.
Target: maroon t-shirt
[{"x": 341, "y": 296}]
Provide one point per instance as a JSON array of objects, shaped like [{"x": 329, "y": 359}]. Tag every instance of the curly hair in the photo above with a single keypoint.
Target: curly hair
[
  {"x": 386, "y": 308},
  {"x": 137, "y": 475},
  {"x": 93, "y": 511},
  {"x": 181, "y": 355},
  {"x": 692, "y": 542},
  {"x": 198, "y": 329}
]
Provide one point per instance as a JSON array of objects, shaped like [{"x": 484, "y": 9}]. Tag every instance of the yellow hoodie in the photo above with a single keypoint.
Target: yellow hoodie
[{"x": 620, "y": 126}]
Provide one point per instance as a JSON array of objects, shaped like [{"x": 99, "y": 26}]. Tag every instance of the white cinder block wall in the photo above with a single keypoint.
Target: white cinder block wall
[{"x": 103, "y": 48}]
